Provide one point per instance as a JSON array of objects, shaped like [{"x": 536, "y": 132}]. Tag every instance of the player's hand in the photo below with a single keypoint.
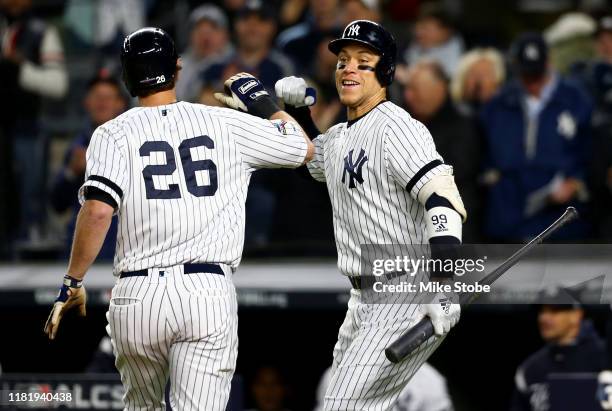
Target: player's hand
[
  {"x": 72, "y": 294},
  {"x": 443, "y": 311},
  {"x": 247, "y": 93},
  {"x": 295, "y": 92},
  {"x": 604, "y": 389}
]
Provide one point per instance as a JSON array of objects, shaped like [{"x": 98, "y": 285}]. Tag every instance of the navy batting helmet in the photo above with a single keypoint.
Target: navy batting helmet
[
  {"x": 148, "y": 59},
  {"x": 376, "y": 37}
]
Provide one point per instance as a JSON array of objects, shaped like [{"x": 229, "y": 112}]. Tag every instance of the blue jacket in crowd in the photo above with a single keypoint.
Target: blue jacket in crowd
[
  {"x": 64, "y": 196},
  {"x": 528, "y": 156}
]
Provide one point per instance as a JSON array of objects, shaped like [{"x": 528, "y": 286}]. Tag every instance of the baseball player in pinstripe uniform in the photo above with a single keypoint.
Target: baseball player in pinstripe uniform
[
  {"x": 176, "y": 174},
  {"x": 387, "y": 185}
]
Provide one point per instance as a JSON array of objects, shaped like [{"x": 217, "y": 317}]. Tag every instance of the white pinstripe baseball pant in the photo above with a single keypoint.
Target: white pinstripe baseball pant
[
  {"x": 178, "y": 326},
  {"x": 362, "y": 378}
]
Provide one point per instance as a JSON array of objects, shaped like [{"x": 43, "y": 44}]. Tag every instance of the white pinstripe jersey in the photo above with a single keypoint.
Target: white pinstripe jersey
[
  {"x": 179, "y": 174},
  {"x": 374, "y": 168}
]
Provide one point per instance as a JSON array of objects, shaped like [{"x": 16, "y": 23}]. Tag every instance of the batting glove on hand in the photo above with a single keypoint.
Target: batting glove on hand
[
  {"x": 295, "y": 92},
  {"x": 604, "y": 389},
  {"x": 443, "y": 311},
  {"x": 72, "y": 294},
  {"x": 246, "y": 93}
]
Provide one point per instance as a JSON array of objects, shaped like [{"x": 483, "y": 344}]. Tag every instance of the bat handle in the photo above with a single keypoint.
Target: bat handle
[
  {"x": 310, "y": 97},
  {"x": 410, "y": 340}
]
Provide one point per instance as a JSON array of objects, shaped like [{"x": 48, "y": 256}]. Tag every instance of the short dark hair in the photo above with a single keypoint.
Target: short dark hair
[
  {"x": 101, "y": 79},
  {"x": 435, "y": 10}
]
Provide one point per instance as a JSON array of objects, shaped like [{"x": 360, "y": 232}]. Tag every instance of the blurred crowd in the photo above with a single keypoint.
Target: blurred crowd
[{"x": 518, "y": 99}]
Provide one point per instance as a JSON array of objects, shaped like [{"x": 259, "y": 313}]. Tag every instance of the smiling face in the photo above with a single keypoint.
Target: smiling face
[{"x": 355, "y": 78}]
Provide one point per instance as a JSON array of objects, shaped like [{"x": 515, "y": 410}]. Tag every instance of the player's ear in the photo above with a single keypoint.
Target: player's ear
[{"x": 179, "y": 66}]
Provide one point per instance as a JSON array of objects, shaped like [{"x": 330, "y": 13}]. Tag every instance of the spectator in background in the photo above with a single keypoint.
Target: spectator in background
[
  {"x": 570, "y": 40},
  {"x": 597, "y": 77},
  {"x": 292, "y": 11},
  {"x": 435, "y": 38},
  {"x": 31, "y": 67},
  {"x": 360, "y": 10},
  {"x": 572, "y": 346},
  {"x": 480, "y": 74},
  {"x": 208, "y": 40},
  {"x": 102, "y": 25},
  {"x": 254, "y": 27},
  {"x": 328, "y": 110},
  {"x": 269, "y": 390},
  {"x": 300, "y": 42},
  {"x": 538, "y": 134},
  {"x": 115, "y": 19},
  {"x": 426, "y": 94},
  {"x": 595, "y": 74},
  {"x": 104, "y": 101},
  {"x": 604, "y": 39}
]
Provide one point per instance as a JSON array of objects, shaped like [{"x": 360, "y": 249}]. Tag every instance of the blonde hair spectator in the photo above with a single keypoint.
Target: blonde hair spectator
[{"x": 479, "y": 75}]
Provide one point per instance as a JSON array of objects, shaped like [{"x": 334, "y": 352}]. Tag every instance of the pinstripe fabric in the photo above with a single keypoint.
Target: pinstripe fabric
[
  {"x": 177, "y": 326},
  {"x": 379, "y": 211},
  {"x": 362, "y": 377},
  {"x": 179, "y": 174},
  {"x": 167, "y": 232},
  {"x": 372, "y": 206}
]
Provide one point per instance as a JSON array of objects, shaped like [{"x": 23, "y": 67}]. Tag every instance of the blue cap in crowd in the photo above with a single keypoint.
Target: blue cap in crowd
[
  {"x": 259, "y": 8},
  {"x": 530, "y": 54}
]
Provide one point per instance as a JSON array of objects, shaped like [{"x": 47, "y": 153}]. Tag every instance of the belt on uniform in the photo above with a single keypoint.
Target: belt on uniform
[
  {"x": 359, "y": 281},
  {"x": 187, "y": 268}
]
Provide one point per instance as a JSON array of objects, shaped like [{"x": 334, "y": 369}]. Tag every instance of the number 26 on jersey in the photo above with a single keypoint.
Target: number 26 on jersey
[{"x": 190, "y": 167}]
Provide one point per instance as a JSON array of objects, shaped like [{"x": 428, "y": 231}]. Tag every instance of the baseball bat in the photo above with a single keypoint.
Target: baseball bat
[{"x": 423, "y": 330}]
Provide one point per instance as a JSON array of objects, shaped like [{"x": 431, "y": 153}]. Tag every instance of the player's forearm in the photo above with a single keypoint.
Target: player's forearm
[
  {"x": 93, "y": 223},
  {"x": 283, "y": 115}
]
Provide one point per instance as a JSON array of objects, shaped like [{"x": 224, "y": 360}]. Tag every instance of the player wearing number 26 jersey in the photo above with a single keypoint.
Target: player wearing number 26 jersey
[
  {"x": 176, "y": 174},
  {"x": 180, "y": 174}
]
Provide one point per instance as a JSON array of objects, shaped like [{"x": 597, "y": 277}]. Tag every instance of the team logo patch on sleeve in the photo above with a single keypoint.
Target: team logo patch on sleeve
[{"x": 281, "y": 126}]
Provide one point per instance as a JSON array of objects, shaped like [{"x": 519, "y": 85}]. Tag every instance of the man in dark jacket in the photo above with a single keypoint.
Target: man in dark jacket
[
  {"x": 538, "y": 135},
  {"x": 572, "y": 346},
  {"x": 426, "y": 93},
  {"x": 104, "y": 101},
  {"x": 31, "y": 68}
]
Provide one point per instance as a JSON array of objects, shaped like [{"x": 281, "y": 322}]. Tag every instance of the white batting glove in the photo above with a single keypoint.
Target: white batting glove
[
  {"x": 604, "y": 389},
  {"x": 295, "y": 92},
  {"x": 443, "y": 312}
]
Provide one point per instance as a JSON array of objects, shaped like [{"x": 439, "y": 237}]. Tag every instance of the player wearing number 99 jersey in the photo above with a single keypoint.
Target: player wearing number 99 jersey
[
  {"x": 177, "y": 175},
  {"x": 387, "y": 185}
]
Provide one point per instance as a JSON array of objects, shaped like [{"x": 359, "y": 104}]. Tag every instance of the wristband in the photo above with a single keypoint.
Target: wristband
[
  {"x": 304, "y": 119},
  {"x": 72, "y": 282},
  {"x": 263, "y": 107}
]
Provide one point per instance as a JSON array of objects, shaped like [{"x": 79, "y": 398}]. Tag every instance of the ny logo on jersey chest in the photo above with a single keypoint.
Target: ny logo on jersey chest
[{"x": 354, "y": 168}]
